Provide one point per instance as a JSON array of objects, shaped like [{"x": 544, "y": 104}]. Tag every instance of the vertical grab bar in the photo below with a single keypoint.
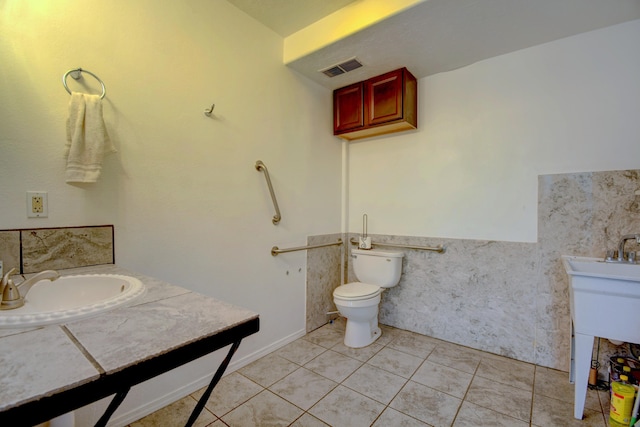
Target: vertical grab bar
[{"x": 261, "y": 166}]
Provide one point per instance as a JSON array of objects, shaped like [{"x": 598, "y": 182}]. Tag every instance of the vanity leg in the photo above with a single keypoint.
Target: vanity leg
[
  {"x": 214, "y": 382},
  {"x": 583, "y": 349},
  {"x": 115, "y": 402}
]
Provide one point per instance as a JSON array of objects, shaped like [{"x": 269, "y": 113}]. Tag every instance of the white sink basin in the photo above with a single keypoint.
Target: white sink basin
[
  {"x": 596, "y": 267},
  {"x": 605, "y": 302},
  {"x": 71, "y": 298},
  {"x": 605, "y": 298}
]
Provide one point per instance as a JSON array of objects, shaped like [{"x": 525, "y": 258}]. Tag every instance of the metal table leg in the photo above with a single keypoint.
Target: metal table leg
[
  {"x": 212, "y": 384},
  {"x": 115, "y": 402}
]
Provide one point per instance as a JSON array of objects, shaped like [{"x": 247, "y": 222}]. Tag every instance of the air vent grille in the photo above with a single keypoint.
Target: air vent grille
[{"x": 344, "y": 67}]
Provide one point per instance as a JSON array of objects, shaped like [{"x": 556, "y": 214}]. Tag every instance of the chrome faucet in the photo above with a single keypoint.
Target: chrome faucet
[
  {"x": 623, "y": 239},
  {"x": 12, "y": 296}
]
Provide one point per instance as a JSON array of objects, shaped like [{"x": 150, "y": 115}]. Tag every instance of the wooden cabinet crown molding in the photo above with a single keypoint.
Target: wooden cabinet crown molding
[{"x": 380, "y": 105}]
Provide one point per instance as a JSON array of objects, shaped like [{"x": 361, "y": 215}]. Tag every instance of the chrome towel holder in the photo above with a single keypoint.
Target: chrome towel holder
[{"x": 76, "y": 73}]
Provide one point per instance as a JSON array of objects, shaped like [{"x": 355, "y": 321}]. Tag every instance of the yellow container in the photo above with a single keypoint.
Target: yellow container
[{"x": 621, "y": 403}]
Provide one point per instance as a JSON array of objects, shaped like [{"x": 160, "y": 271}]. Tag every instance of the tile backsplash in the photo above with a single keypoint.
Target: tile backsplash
[{"x": 36, "y": 249}]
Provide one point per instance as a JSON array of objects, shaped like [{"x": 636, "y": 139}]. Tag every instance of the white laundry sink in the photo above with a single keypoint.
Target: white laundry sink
[
  {"x": 605, "y": 302},
  {"x": 605, "y": 297},
  {"x": 72, "y": 297}
]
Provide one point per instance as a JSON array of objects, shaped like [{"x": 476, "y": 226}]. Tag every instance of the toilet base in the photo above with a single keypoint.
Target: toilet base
[{"x": 361, "y": 334}]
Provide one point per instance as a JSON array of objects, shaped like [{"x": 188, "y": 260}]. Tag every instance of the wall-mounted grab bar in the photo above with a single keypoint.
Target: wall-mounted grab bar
[
  {"x": 275, "y": 250},
  {"x": 261, "y": 166},
  {"x": 440, "y": 249}
]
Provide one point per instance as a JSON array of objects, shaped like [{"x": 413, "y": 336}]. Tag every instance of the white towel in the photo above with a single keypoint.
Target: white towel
[{"x": 87, "y": 139}]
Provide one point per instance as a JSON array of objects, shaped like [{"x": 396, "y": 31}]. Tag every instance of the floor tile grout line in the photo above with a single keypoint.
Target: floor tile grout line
[
  {"x": 466, "y": 392},
  {"x": 533, "y": 395}
]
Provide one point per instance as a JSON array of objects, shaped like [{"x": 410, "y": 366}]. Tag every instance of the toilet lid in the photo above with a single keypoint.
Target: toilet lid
[{"x": 356, "y": 290}]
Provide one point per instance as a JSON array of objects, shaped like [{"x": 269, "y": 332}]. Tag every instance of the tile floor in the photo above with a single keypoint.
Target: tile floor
[{"x": 403, "y": 379}]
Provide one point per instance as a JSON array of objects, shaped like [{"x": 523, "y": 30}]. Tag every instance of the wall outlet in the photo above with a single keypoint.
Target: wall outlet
[{"x": 37, "y": 206}]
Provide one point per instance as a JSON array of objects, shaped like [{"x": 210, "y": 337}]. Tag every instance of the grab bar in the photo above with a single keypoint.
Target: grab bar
[
  {"x": 440, "y": 249},
  {"x": 275, "y": 250},
  {"x": 261, "y": 166}
]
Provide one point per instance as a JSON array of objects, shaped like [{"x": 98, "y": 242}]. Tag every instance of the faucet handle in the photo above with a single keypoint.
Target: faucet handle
[
  {"x": 631, "y": 257},
  {"x": 611, "y": 253},
  {"x": 6, "y": 277}
]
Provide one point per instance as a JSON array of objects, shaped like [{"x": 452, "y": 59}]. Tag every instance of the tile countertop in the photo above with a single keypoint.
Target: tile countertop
[{"x": 47, "y": 361}]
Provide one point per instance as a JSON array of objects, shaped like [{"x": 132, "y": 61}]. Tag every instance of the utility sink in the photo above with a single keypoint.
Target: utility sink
[
  {"x": 605, "y": 297},
  {"x": 605, "y": 302},
  {"x": 71, "y": 298}
]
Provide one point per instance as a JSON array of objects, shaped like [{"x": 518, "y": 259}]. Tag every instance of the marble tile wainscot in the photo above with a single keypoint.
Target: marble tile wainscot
[{"x": 48, "y": 371}]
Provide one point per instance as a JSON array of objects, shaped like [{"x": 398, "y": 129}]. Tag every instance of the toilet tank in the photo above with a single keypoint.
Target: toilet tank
[{"x": 377, "y": 267}]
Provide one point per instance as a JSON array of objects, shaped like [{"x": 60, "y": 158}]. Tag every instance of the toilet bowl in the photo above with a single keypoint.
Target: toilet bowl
[{"x": 358, "y": 302}]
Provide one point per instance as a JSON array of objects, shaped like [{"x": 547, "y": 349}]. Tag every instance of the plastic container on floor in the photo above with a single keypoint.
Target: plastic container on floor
[{"x": 622, "y": 398}]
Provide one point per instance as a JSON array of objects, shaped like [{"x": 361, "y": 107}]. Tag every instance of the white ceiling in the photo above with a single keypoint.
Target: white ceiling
[{"x": 437, "y": 35}]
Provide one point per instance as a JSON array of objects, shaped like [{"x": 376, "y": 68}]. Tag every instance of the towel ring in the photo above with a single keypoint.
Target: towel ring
[{"x": 76, "y": 73}]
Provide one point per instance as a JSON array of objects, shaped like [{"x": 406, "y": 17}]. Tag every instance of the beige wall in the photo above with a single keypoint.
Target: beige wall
[
  {"x": 488, "y": 130},
  {"x": 186, "y": 201}
]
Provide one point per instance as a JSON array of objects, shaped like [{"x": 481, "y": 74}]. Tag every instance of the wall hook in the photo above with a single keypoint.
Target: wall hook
[{"x": 210, "y": 110}]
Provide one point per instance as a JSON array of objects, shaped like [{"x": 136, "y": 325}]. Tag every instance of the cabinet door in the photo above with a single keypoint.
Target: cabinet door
[
  {"x": 383, "y": 102},
  {"x": 347, "y": 108}
]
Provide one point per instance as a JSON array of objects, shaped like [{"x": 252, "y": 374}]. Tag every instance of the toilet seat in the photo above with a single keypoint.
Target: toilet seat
[{"x": 357, "y": 291}]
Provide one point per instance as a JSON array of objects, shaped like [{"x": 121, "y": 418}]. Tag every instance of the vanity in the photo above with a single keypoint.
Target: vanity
[{"x": 50, "y": 370}]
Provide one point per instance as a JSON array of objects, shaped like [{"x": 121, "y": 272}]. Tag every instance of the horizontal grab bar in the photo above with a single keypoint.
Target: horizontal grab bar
[
  {"x": 275, "y": 250},
  {"x": 440, "y": 249}
]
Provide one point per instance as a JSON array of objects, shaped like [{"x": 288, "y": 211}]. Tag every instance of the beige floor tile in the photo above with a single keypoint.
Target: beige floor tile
[
  {"x": 300, "y": 351},
  {"x": 375, "y": 383},
  {"x": 443, "y": 378},
  {"x": 471, "y": 415},
  {"x": 268, "y": 370},
  {"x": 346, "y": 408},
  {"x": 232, "y": 391},
  {"x": 325, "y": 337},
  {"x": 264, "y": 409},
  {"x": 426, "y": 404},
  {"x": 414, "y": 344},
  {"x": 456, "y": 356},
  {"x": 396, "y": 362},
  {"x": 548, "y": 412},
  {"x": 391, "y": 417},
  {"x": 339, "y": 324},
  {"x": 176, "y": 414},
  {"x": 362, "y": 354},
  {"x": 307, "y": 420},
  {"x": 555, "y": 384},
  {"x": 333, "y": 365},
  {"x": 502, "y": 398},
  {"x": 605, "y": 400},
  {"x": 303, "y": 388},
  {"x": 507, "y": 371},
  {"x": 389, "y": 333}
]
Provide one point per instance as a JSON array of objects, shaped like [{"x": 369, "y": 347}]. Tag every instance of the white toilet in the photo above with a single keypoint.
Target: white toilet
[{"x": 358, "y": 301}]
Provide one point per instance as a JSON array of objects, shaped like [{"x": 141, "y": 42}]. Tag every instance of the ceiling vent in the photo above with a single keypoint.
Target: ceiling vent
[{"x": 344, "y": 67}]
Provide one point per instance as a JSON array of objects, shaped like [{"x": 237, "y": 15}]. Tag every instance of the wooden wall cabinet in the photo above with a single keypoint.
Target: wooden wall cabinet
[{"x": 383, "y": 104}]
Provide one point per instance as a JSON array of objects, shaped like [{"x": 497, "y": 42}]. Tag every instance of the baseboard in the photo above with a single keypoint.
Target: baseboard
[{"x": 121, "y": 420}]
